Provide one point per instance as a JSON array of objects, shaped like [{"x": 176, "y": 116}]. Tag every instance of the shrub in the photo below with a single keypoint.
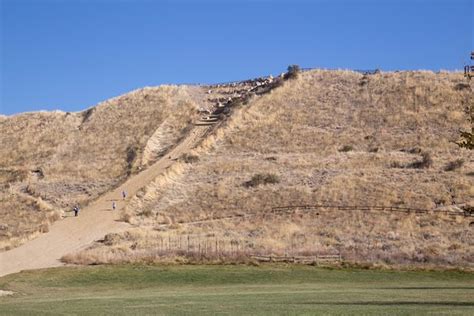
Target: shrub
[
  {"x": 396, "y": 164},
  {"x": 132, "y": 153},
  {"x": 364, "y": 80},
  {"x": 189, "y": 158},
  {"x": 462, "y": 86},
  {"x": 38, "y": 172},
  {"x": 453, "y": 165},
  {"x": 262, "y": 178},
  {"x": 293, "y": 71},
  {"x": 414, "y": 150},
  {"x": 346, "y": 148},
  {"x": 425, "y": 162},
  {"x": 87, "y": 114},
  {"x": 146, "y": 212},
  {"x": 467, "y": 140},
  {"x": 271, "y": 158},
  {"x": 111, "y": 239}
]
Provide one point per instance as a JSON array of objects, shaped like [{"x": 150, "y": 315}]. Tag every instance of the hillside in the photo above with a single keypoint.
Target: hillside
[
  {"x": 327, "y": 138},
  {"x": 50, "y": 161}
]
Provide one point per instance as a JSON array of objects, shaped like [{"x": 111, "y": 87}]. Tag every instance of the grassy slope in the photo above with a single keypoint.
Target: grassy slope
[
  {"x": 80, "y": 154},
  {"x": 125, "y": 290},
  {"x": 297, "y": 133}
]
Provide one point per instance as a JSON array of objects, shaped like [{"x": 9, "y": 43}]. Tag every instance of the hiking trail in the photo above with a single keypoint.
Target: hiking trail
[
  {"x": 98, "y": 219},
  {"x": 94, "y": 221}
]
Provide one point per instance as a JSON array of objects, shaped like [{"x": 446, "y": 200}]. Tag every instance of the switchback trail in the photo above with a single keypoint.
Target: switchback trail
[{"x": 94, "y": 221}]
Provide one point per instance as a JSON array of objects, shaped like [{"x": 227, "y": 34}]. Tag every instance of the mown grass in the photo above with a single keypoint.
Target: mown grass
[{"x": 269, "y": 289}]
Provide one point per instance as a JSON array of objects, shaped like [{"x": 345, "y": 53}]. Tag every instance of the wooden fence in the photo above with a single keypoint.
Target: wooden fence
[
  {"x": 469, "y": 212},
  {"x": 290, "y": 209}
]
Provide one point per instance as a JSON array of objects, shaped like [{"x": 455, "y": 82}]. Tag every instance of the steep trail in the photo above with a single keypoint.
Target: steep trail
[
  {"x": 93, "y": 222},
  {"x": 98, "y": 219}
]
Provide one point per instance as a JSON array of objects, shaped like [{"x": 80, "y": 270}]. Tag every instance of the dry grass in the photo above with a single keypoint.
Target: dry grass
[
  {"x": 359, "y": 236},
  {"x": 297, "y": 132},
  {"x": 71, "y": 158},
  {"x": 331, "y": 137},
  {"x": 30, "y": 217}
]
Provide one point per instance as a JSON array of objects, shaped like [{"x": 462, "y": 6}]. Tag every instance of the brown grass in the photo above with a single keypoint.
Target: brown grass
[
  {"x": 297, "y": 132},
  {"x": 332, "y": 137},
  {"x": 72, "y": 158}
]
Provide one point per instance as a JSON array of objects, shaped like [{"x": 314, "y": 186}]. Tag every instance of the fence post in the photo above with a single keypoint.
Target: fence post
[{"x": 188, "y": 243}]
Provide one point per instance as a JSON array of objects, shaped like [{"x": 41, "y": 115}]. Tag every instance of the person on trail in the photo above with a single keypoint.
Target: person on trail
[
  {"x": 124, "y": 195},
  {"x": 76, "y": 210},
  {"x": 113, "y": 205}
]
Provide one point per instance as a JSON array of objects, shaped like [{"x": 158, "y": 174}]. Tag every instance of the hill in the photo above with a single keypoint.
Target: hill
[
  {"x": 330, "y": 138},
  {"x": 372, "y": 144},
  {"x": 51, "y": 161}
]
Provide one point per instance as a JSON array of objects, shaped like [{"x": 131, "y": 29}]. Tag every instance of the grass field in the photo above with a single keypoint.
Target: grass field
[{"x": 269, "y": 289}]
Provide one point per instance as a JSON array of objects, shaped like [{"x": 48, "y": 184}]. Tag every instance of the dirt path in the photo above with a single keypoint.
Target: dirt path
[{"x": 93, "y": 222}]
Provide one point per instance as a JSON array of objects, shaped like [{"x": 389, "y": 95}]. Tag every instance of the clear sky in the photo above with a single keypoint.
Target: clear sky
[{"x": 72, "y": 54}]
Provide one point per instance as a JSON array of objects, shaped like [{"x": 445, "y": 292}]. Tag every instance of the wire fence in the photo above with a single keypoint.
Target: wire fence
[
  {"x": 210, "y": 246},
  {"x": 291, "y": 209},
  {"x": 202, "y": 247},
  {"x": 468, "y": 212}
]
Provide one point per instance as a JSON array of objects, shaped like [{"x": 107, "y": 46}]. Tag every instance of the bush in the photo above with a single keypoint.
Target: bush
[
  {"x": 425, "y": 162},
  {"x": 346, "y": 148},
  {"x": 414, "y": 150},
  {"x": 262, "y": 178},
  {"x": 293, "y": 71},
  {"x": 87, "y": 114},
  {"x": 453, "y": 165},
  {"x": 396, "y": 164},
  {"x": 189, "y": 158},
  {"x": 462, "y": 86},
  {"x": 147, "y": 213},
  {"x": 132, "y": 153}
]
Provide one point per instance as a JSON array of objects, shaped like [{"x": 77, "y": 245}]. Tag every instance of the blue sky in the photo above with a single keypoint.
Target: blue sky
[{"x": 72, "y": 54}]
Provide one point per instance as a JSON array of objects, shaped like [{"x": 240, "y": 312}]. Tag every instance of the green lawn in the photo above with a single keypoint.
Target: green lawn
[{"x": 268, "y": 289}]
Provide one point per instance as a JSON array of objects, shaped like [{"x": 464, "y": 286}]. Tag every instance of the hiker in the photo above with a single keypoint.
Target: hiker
[
  {"x": 124, "y": 195},
  {"x": 76, "y": 210},
  {"x": 113, "y": 205}
]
